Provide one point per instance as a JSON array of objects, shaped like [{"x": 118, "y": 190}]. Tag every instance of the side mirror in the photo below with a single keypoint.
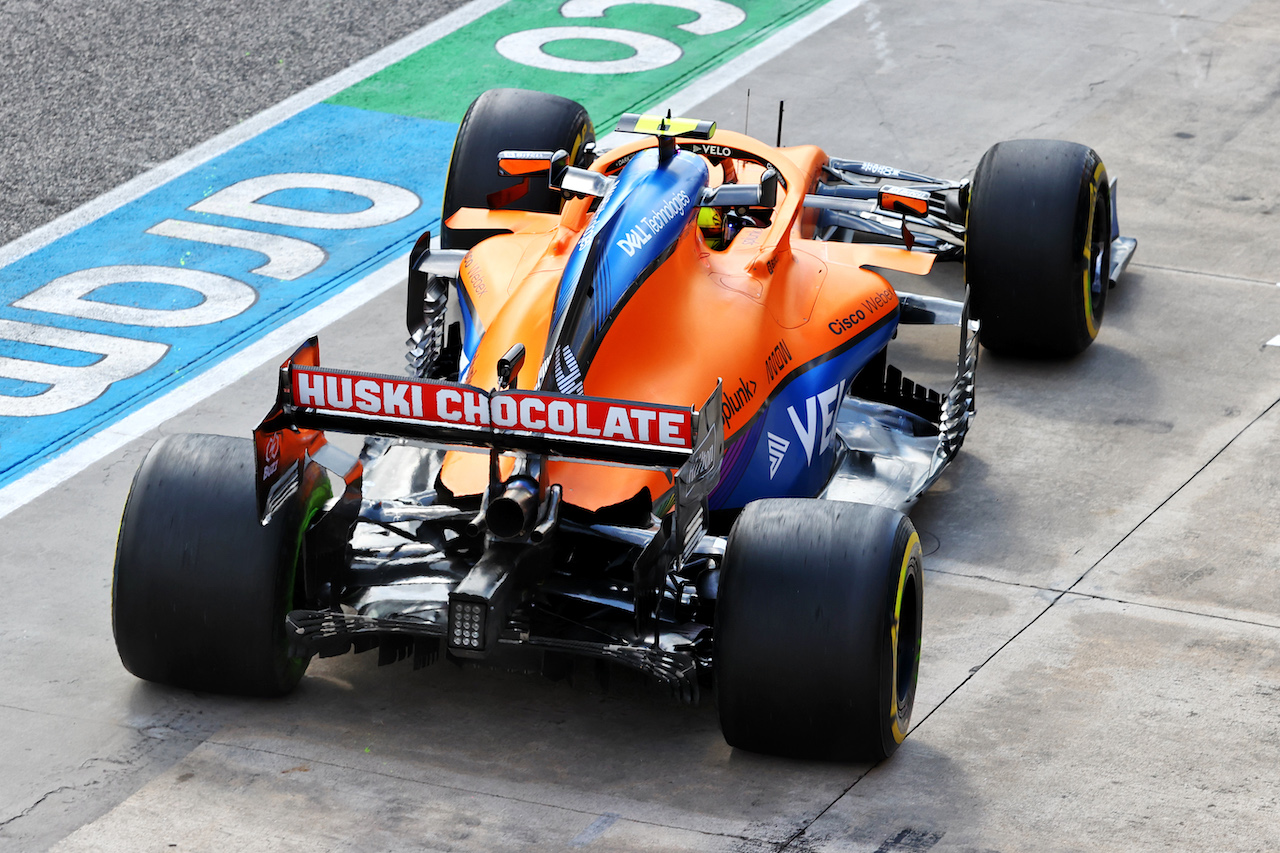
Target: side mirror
[
  {"x": 763, "y": 194},
  {"x": 517, "y": 164},
  {"x": 769, "y": 187},
  {"x": 509, "y": 367},
  {"x": 560, "y": 174}
]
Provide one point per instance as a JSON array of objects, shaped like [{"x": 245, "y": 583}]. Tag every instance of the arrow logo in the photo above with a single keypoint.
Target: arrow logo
[{"x": 777, "y": 449}]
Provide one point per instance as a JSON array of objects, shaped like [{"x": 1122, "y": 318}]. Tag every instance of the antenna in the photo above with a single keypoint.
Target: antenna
[
  {"x": 666, "y": 144},
  {"x": 746, "y": 122},
  {"x": 779, "y": 142}
]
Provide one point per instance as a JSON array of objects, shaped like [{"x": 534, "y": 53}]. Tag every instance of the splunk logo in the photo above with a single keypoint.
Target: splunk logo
[
  {"x": 650, "y": 225},
  {"x": 737, "y": 400}
]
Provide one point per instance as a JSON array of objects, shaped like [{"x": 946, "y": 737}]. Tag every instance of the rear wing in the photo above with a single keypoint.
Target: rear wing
[{"x": 312, "y": 399}]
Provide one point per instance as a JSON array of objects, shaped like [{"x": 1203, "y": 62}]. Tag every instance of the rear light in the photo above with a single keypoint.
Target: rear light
[{"x": 466, "y": 625}]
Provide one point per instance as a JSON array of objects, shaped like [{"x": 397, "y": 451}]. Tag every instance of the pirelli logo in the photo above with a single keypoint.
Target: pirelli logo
[{"x": 463, "y": 407}]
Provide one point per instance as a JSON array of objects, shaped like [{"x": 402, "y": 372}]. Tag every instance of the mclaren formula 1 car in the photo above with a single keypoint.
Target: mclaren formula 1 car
[{"x": 650, "y": 419}]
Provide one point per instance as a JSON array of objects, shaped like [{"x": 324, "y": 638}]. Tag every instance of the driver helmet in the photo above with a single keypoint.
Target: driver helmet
[{"x": 711, "y": 222}]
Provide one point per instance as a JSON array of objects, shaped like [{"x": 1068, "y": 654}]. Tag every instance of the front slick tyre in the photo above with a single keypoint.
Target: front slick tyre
[
  {"x": 817, "y": 645},
  {"x": 501, "y": 120},
  {"x": 1038, "y": 247},
  {"x": 201, "y": 589}
]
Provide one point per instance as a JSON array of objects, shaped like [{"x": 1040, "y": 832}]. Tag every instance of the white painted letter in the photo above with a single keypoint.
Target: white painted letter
[
  {"x": 650, "y": 51},
  {"x": 643, "y": 419},
  {"x": 310, "y": 389},
  {"x": 444, "y": 397},
  {"x": 714, "y": 16},
  {"x": 288, "y": 258},
  {"x": 241, "y": 201},
  {"x": 526, "y": 413},
  {"x": 69, "y": 386},
  {"x": 367, "y": 396},
  {"x": 476, "y": 408},
  {"x": 668, "y": 428},
  {"x": 808, "y": 432},
  {"x": 505, "y": 413},
  {"x": 223, "y": 297},
  {"x": 584, "y": 428},
  {"x": 560, "y": 416},
  {"x": 394, "y": 401},
  {"x": 339, "y": 392},
  {"x": 616, "y": 423}
]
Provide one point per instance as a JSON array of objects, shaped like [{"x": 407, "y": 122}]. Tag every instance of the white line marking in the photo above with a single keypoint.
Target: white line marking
[
  {"x": 682, "y": 103},
  {"x": 247, "y": 129},
  {"x": 61, "y": 468},
  {"x": 1274, "y": 342}
]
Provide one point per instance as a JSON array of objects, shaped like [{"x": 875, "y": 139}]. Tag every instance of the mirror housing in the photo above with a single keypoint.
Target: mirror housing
[
  {"x": 903, "y": 201},
  {"x": 763, "y": 194}
]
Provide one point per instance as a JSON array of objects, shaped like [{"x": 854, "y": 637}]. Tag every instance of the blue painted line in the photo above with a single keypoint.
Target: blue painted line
[{"x": 405, "y": 152}]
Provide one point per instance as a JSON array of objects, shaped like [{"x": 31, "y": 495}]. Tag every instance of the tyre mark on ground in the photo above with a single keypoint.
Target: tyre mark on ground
[
  {"x": 910, "y": 841},
  {"x": 796, "y": 837},
  {"x": 1243, "y": 279}
]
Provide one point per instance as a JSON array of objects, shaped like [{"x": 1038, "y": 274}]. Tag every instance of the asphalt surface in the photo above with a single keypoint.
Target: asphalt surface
[
  {"x": 1102, "y": 632},
  {"x": 94, "y": 94}
]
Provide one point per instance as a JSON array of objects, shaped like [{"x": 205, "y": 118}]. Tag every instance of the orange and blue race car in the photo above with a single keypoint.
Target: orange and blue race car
[{"x": 650, "y": 419}]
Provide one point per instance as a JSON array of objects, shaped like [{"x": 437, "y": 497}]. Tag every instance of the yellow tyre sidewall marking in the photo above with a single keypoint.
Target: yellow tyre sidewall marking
[
  {"x": 1089, "y": 321},
  {"x": 912, "y": 550}
]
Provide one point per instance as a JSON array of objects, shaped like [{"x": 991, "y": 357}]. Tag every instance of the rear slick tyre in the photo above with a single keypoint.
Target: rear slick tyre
[
  {"x": 201, "y": 589},
  {"x": 818, "y": 626},
  {"x": 1038, "y": 247}
]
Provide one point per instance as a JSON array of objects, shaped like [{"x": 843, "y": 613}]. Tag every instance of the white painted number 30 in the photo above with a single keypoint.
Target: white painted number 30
[{"x": 650, "y": 51}]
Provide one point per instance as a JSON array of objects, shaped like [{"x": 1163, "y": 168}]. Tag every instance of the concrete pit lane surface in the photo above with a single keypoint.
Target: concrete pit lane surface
[{"x": 1101, "y": 665}]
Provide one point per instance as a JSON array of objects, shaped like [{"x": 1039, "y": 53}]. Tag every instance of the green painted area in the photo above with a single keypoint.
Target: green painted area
[
  {"x": 589, "y": 50},
  {"x": 440, "y": 81}
]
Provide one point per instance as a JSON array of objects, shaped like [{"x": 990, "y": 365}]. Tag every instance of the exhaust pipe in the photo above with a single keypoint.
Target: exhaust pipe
[
  {"x": 511, "y": 515},
  {"x": 550, "y": 516}
]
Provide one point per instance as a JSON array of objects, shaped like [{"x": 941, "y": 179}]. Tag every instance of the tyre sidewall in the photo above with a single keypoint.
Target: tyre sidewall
[
  {"x": 200, "y": 588},
  {"x": 805, "y": 656}
]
